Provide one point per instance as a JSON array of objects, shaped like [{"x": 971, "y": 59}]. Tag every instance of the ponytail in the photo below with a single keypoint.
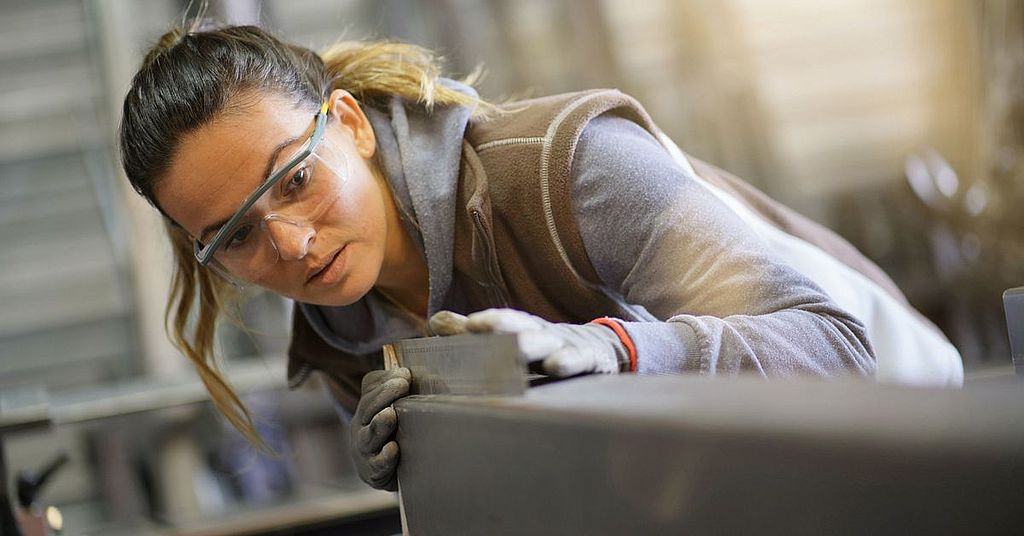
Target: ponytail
[{"x": 373, "y": 72}]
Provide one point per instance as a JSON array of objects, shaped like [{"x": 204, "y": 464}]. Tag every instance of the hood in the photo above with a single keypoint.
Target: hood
[{"x": 420, "y": 154}]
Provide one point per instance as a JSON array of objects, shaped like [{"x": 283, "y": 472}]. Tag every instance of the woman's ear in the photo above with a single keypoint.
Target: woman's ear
[{"x": 344, "y": 107}]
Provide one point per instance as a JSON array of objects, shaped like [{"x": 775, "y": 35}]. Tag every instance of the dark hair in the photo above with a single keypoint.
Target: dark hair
[{"x": 188, "y": 79}]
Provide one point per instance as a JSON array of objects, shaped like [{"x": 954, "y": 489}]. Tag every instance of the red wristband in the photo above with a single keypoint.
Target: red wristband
[{"x": 624, "y": 338}]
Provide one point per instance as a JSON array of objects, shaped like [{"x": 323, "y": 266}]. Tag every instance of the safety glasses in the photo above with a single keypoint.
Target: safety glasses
[{"x": 275, "y": 222}]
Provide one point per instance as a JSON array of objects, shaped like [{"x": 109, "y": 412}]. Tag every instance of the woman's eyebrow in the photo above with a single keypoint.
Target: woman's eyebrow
[
  {"x": 266, "y": 175},
  {"x": 277, "y": 152}
]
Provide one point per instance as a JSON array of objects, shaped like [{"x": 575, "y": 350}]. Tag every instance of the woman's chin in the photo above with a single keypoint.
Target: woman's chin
[
  {"x": 345, "y": 293},
  {"x": 330, "y": 297}
]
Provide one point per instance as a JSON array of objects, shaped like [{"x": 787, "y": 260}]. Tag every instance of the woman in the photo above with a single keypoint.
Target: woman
[{"x": 378, "y": 195}]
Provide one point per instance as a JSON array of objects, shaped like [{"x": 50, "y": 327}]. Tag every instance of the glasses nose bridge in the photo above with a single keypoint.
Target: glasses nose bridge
[{"x": 290, "y": 237}]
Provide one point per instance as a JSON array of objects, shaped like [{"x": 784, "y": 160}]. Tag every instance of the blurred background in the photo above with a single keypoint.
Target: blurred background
[{"x": 898, "y": 124}]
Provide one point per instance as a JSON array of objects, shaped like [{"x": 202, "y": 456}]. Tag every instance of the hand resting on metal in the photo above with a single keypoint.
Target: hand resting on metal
[
  {"x": 562, "y": 349},
  {"x": 375, "y": 451}
]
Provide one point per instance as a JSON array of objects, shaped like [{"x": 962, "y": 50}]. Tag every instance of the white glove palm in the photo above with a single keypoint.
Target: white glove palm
[{"x": 564, "y": 349}]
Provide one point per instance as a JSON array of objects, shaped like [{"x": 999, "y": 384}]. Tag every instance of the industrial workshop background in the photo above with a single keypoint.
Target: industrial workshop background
[{"x": 899, "y": 124}]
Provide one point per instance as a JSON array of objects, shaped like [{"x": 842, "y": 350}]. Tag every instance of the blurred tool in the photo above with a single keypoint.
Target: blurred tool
[
  {"x": 974, "y": 251},
  {"x": 8, "y": 525},
  {"x": 31, "y": 408},
  {"x": 34, "y": 519},
  {"x": 1013, "y": 302},
  {"x": 957, "y": 208},
  {"x": 30, "y": 484}
]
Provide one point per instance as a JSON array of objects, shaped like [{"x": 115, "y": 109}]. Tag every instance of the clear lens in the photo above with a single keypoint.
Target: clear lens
[{"x": 281, "y": 224}]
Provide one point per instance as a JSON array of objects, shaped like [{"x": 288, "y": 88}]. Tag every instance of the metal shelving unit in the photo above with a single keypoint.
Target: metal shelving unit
[{"x": 67, "y": 318}]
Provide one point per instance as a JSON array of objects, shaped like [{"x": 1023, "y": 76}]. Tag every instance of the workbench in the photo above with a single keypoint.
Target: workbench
[{"x": 672, "y": 454}]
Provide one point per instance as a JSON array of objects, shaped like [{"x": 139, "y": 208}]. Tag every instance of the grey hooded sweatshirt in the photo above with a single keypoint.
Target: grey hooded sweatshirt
[{"x": 704, "y": 293}]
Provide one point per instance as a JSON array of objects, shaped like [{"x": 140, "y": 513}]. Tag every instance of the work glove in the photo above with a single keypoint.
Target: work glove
[
  {"x": 375, "y": 452},
  {"x": 562, "y": 349}
]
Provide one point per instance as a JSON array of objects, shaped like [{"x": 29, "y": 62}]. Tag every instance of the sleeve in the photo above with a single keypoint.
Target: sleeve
[{"x": 719, "y": 300}]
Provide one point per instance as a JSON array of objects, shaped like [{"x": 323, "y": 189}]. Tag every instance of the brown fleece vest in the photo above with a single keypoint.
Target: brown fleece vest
[{"x": 516, "y": 239}]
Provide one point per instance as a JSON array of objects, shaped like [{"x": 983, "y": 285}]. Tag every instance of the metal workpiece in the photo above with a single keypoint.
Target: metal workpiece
[
  {"x": 455, "y": 365},
  {"x": 672, "y": 454}
]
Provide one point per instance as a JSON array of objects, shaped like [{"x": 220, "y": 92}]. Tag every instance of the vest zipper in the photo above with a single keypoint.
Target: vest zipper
[
  {"x": 300, "y": 376},
  {"x": 493, "y": 286},
  {"x": 533, "y": 140}
]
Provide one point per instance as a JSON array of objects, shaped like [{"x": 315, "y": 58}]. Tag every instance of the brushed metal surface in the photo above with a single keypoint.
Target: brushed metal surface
[
  {"x": 464, "y": 365},
  {"x": 681, "y": 455}
]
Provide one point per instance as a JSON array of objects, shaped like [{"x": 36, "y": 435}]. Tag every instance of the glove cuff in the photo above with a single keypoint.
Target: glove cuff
[{"x": 624, "y": 338}]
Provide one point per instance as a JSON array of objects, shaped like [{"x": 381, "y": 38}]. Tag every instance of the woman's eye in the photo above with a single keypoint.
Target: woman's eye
[
  {"x": 239, "y": 237},
  {"x": 298, "y": 179}
]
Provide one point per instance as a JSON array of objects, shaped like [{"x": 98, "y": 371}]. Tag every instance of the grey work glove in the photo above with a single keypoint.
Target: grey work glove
[
  {"x": 374, "y": 451},
  {"x": 563, "y": 349}
]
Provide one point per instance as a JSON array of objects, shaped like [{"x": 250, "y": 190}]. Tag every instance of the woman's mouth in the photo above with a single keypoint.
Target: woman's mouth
[{"x": 332, "y": 271}]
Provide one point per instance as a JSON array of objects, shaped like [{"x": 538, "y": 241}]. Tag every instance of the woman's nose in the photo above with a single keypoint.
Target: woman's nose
[{"x": 291, "y": 240}]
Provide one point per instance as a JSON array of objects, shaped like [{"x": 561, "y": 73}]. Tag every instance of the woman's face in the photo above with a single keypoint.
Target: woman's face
[{"x": 334, "y": 259}]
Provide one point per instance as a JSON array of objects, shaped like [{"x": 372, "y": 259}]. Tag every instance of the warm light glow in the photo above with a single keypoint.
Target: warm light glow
[{"x": 54, "y": 518}]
